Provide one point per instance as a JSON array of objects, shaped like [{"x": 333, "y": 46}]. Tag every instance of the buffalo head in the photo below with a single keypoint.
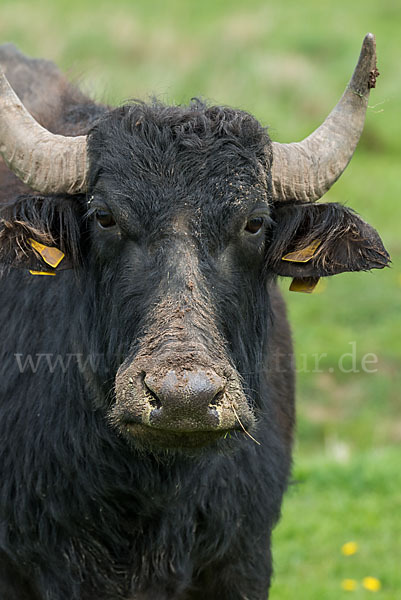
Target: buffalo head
[{"x": 177, "y": 221}]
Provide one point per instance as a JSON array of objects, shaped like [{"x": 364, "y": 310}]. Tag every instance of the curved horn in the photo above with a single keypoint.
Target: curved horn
[
  {"x": 304, "y": 171},
  {"x": 46, "y": 162}
]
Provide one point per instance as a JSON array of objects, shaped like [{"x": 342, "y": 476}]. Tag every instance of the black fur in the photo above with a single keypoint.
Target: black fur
[
  {"x": 84, "y": 513},
  {"x": 347, "y": 243}
]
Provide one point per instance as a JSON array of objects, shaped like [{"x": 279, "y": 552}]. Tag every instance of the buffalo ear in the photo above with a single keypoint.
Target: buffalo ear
[
  {"x": 316, "y": 240},
  {"x": 30, "y": 222}
]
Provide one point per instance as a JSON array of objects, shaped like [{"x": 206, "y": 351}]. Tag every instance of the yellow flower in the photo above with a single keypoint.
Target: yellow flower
[
  {"x": 349, "y": 548},
  {"x": 349, "y": 585},
  {"x": 372, "y": 584}
]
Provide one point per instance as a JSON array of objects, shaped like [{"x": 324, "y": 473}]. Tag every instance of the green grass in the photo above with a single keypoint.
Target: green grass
[
  {"x": 287, "y": 63},
  {"x": 330, "y": 504}
]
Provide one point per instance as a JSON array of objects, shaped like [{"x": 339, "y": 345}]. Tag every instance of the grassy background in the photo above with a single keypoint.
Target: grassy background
[{"x": 287, "y": 63}]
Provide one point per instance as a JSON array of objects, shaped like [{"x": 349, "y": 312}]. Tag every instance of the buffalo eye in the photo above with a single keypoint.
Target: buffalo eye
[
  {"x": 254, "y": 225},
  {"x": 104, "y": 218}
]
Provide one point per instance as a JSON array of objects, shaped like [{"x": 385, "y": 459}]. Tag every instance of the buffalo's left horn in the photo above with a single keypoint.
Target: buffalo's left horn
[
  {"x": 46, "y": 162},
  {"x": 304, "y": 171}
]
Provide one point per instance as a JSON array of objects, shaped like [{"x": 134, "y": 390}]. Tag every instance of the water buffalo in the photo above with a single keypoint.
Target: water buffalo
[{"x": 147, "y": 410}]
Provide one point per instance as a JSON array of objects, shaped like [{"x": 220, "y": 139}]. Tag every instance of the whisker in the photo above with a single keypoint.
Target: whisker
[{"x": 243, "y": 428}]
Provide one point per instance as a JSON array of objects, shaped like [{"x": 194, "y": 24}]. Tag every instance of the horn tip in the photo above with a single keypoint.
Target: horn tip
[
  {"x": 365, "y": 74},
  {"x": 370, "y": 38},
  {"x": 369, "y": 47}
]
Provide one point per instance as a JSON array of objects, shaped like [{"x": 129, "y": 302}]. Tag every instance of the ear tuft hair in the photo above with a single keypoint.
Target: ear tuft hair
[
  {"x": 346, "y": 242},
  {"x": 52, "y": 221}
]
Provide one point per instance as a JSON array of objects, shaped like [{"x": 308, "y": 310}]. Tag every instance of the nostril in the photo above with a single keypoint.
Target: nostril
[
  {"x": 217, "y": 399},
  {"x": 153, "y": 399},
  {"x": 151, "y": 395}
]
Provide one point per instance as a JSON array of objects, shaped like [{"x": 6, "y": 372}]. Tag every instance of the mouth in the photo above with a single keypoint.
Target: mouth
[{"x": 167, "y": 439}]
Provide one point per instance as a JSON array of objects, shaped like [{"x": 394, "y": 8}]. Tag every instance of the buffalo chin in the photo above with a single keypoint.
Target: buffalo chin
[{"x": 149, "y": 437}]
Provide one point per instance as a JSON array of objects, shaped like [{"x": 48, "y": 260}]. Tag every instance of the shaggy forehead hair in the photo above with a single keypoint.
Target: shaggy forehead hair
[{"x": 183, "y": 144}]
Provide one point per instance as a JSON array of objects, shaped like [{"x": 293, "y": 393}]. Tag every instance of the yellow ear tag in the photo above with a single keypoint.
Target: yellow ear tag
[
  {"x": 303, "y": 255},
  {"x": 41, "y": 273},
  {"x": 304, "y": 284},
  {"x": 51, "y": 256}
]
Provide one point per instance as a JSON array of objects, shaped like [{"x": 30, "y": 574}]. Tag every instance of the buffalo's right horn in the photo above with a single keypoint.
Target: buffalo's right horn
[
  {"x": 304, "y": 171},
  {"x": 46, "y": 162}
]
